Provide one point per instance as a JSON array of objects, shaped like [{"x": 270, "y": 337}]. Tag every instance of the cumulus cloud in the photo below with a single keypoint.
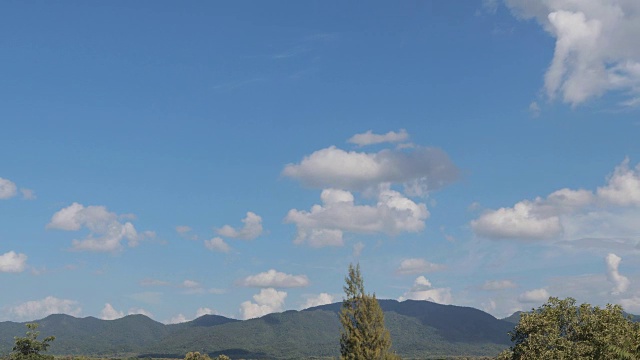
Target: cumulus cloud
[
  {"x": 493, "y": 285},
  {"x": 273, "y": 278},
  {"x": 38, "y": 309},
  {"x": 204, "y": 311},
  {"x": 369, "y": 138},
  {"x": 419, "y": 169},
  {"x": 623, "y": 186},
  {"x": 183, "y": 229},
  {"x": 252, "y": 228},
  {"x": 320, "y": 299},
  {"x": 177, "y": 319},
  {"x": 217, "y": 244},
  {"x": 620, "y": 282},
  {"x": 106, "y": 229},
  {"x": 109, "y": 313},
  {"x": 13, "y": 262},
  {"x": 595, "y": 48},
  {"x": 423, "y": 290},
  {"x": 534, "y": 296},
  {"x": 324, "y": 224},
  {"x": 8, "y": 189},
  {"x": 267, "y": 301},
  {"x": 139, "y": 311},
  {"x": 583, "y": 217},
  {"x": 416, "y": 266}
]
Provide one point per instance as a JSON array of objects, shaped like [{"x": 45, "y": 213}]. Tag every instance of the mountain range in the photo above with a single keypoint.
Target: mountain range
[{"x": 419, "y": 330}]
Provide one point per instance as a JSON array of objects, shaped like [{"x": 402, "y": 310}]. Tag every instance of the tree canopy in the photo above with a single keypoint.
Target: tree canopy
[
  {"x": 29, "y": 347},
  {"x": 363, "y": 336},
  {"x": 560, "y": 329}
]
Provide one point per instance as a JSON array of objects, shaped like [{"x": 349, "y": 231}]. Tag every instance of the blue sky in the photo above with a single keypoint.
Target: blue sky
[{"x": 182, "y": 159}]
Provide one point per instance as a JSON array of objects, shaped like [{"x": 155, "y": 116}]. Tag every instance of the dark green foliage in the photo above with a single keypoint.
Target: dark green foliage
[
  {"x": 562, "y": 330},
  {"x": 363, "y": 335},
  {"x": 419, "y": 329},
  {"x": 29, "y": 347}
]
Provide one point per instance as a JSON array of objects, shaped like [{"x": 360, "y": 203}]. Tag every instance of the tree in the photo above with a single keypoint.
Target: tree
[
  {"x": 195, "y": 355},
  {"x": 29, "y": 348},
  {"x": 560, "y": 329},
  {"x": 363, "y": 335}
]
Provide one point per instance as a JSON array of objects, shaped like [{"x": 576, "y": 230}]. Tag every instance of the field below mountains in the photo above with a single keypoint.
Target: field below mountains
[{"x": 419, "y": 330}]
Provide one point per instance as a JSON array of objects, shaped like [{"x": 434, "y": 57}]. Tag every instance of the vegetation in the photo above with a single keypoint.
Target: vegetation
[
  {"x": 197, "y": 356},
  {"x": 560, "y": 329},
  {"x": 29, "y": 347},
  {"x": 363, "y": 336}
]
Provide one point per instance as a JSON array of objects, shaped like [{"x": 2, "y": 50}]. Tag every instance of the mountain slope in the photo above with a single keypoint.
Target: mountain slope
[{"x": 418, "y": 329}]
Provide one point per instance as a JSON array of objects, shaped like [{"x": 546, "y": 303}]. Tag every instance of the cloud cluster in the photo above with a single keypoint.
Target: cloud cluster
[
  {"x": 38, "y": 309},
  {"x": 9, "y": 189},
  {"x": 106, "y": 229},
  {"x": 318, "y": 300},
  {"x": 534, "y": 296},
  {"x": 273, "y": 278},
  {"x": 217, "y": 244},
  {"x": 13, "y": 262},
  {"x": 595, "y": 48},
  {"x": 324, "y": 224},
  {"x": 369, "y": 138},
  {"x": 620, "y": 282},
  {"x": 585, "y": 217},
  {"x": 417, "y": 266},
  {"x": 423, "y": 290},
  {"x": 421, "y": 169},
  {"x": 252, "y": 228},
  {"x": 267, "y": 301}
]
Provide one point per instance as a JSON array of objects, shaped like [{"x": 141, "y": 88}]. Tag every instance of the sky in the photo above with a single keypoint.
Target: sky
[{"x": 181, "y": 159}]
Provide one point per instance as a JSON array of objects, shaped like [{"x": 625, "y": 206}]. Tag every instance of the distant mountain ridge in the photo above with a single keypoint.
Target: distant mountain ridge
[{"x": 419, "y": 329}]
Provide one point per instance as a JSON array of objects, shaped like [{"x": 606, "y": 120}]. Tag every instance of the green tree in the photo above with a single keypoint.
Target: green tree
[
  {"x": 560, "y": 329},
  {"x": 194, "y": 355},
  {"x": 29, "y": 347},
  {"x": 363, "y": 335}
]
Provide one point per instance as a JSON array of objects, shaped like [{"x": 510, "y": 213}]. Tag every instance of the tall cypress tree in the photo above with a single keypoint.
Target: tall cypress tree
[{"x": 363, "y": 335}]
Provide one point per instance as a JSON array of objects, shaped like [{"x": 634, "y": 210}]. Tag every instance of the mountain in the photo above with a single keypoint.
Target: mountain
[
  {"x": 419, "y": 329},
  {"x": 513, "y": 318}
]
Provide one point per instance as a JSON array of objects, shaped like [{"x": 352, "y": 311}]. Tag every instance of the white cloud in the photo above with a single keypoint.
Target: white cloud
[
  {"x": 420, "y": 169},
  {"x": 217, "y": 244},
  {"x": 534, "y": 296},
  {"x": 623, "y": 186},
  {"x": 595, "y": 48},
  {"x": 38, "y": 309},
  {"x": 620, "y": 282},
  {"x": 534, "y": 109},
  {"x": 579, "y": 218},
  {"x": 13, "y": 262},
  {"x": 273, "y": 278},
  {"x": 324, "y": 224},
  {"x": 417, "y": 266},
  {"x": 493, "y": 285},
  {"x": 177, "y": 319},
  {"x": 252, "y": 228},
  {"x": 320, "y": 299},
  {"x": 139, "y": 311},
  {"x": 106, "y": 231},
  {"x": 423, "y": 290},
  {"x": 369, "y": 138},
  {"x": 8, "y": 189},
  {"x": 204, "y": 311},
  {"x": 109, "y": 313},
  {"x": 267, "y": 301}
]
